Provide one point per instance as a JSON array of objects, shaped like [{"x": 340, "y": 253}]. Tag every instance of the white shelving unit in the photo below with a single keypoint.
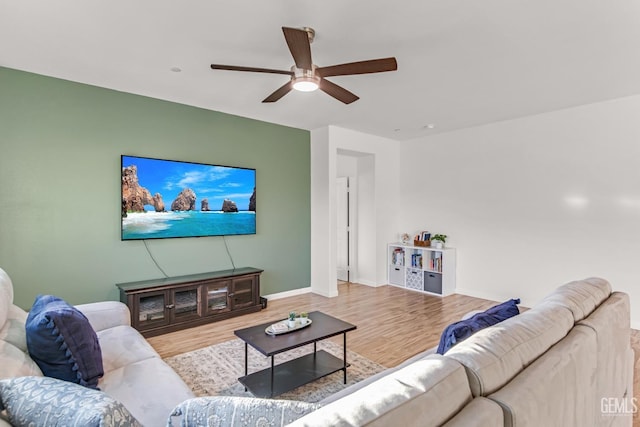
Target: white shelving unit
[{"x": 423, "y": 269}]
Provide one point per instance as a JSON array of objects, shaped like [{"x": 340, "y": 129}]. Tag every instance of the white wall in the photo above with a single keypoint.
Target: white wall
[
  {"x": 377, "y": 194},
  {"x": 535, "y": 202},
  {"x": 368, "y": 256},
  {"x": 346, "y": 164},
  {"x": 323, "y": 245}
]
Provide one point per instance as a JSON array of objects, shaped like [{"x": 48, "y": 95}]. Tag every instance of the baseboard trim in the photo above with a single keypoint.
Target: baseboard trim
[
  {"x": 291, "y": 293},
  {"x": 327, "y": 295},
  {"x": 491, "y": 297},
  {"x": 474, "y": 293},
  {"x": 366, "y": 282}
]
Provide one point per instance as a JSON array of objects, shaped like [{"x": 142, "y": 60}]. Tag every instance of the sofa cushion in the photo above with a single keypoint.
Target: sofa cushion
[
  {"x": 122, "y": 346},
  {"x": 463, "y": 329},
  {"x": 425, "y": 393},
  {"x": 15, "y": 362},
  {"x": 13, "y": 330},
  {"x": 62, "y": 342},
  {"x": 106, "y": 314},
  {"x": 611, "y": 324},
  {"x": 557, "y": 389},
  {"x": 581, "y": 296},
  {"x": 241, "y": 411},
  {"x": 150, "y": 389},
  {"x": 43, "y": 401},
  {"x": 493, "y": 356},
  {"x": 6, "y": 296},
  {"x": 480, "y": 412}
]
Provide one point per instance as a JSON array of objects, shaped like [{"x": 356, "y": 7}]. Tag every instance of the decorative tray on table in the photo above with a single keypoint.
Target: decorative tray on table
[{"x": 283, "y": 327}]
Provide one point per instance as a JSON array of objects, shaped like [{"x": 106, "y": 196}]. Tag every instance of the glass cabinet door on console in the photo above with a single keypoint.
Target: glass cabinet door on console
[
  {"x": 217, "y": 296},
  {"x": 243, "y": 292},
  {"x": 152, "y": 309},
  {"x": 185, "y": 303}
]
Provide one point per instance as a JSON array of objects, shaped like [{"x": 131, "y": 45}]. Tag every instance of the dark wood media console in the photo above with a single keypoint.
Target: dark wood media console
[{"x": 165, "y": 305}]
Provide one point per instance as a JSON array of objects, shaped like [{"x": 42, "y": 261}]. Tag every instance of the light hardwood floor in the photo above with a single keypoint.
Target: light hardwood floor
[{"x": 393, "y": 323}]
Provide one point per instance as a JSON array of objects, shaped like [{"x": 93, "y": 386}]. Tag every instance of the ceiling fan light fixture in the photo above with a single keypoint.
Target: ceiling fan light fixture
[
  {"x": 306, "y": 84},
  {"x": 307, "y": 77}
]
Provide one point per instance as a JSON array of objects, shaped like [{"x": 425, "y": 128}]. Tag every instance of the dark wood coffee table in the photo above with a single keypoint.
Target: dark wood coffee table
[{"x": 278, "y": 379}]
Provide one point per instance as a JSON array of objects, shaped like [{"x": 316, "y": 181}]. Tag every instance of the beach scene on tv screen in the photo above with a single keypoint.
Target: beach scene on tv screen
[{"x": 165, "y": 198}]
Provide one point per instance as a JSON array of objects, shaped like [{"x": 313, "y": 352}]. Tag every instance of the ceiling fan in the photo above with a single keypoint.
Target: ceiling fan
[{"x": 307, "y": 77}]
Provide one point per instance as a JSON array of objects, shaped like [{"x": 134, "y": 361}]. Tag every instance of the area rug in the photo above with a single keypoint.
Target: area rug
[{"x": 214, "y": 370}]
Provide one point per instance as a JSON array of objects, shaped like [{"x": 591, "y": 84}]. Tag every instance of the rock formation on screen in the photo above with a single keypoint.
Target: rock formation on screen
[
  {"x": 134, "y": 197},
  {"x": 204, "y": 205},
  {"x": 186, "y": 201},
  {"x": 252, "y": 201},
  {"x": 229, "y": 206},
  {"x": 158, "y": 203}
]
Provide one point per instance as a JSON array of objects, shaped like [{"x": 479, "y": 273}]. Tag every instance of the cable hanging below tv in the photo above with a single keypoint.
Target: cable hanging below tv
[{"x": 172, "y": 199}]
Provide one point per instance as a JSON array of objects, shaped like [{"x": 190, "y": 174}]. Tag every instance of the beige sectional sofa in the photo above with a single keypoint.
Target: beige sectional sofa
[
  {"x": 565, "y": 362},
  {"x": 134, "y": 373}
]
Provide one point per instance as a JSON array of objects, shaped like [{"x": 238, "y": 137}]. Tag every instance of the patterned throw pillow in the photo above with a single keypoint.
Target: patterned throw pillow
[
  {"x": 63, "y": 343},
  {"x": 238, "y": 411},
  {"x": 43, "y": 401}
]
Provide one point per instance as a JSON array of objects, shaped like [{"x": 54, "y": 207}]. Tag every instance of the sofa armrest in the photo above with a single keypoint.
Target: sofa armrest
[
  {"x": 361, "y": 384},
  {"x": 106, "y": 314}
]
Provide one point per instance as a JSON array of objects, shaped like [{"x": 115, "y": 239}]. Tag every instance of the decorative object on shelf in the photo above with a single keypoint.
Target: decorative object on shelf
[
  {"x": 397, "y": 256},
  {"x": 438, "y": 240},
  {"x": 405, "y": 238},
  {"x": 292, "y": 319},
  {"x": 422, "y": 243},
  {"x": 422, "y": 239}
]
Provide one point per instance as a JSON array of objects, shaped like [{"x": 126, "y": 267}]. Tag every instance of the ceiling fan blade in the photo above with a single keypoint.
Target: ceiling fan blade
[
  {"x": 298, "y": 42},
  {"x": 252, "y": 69},
  {"x": 361, "y": 67},
  {"x": 338, "y": 92},
  {"x": 279, "y": 93}
]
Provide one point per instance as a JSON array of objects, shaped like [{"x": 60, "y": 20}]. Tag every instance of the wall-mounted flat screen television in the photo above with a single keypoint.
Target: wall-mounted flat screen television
[{"x": 166, "y": 198}]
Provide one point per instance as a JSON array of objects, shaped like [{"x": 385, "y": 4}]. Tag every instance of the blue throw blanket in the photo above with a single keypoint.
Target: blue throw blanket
[{"x": 459, "y": 331}]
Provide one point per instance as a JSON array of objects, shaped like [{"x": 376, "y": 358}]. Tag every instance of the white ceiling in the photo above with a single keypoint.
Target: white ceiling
[{"x": 461, "y": 63}]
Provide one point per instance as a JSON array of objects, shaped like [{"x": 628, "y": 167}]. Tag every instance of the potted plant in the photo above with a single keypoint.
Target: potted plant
[
  {"x": 292, "y": 319},
  {"x": 304, "y": 318},
  {"x": 437, "y": 240}
]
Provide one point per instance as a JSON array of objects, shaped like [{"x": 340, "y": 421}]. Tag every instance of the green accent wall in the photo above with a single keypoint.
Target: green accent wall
[{"x": 60, "y": 147}]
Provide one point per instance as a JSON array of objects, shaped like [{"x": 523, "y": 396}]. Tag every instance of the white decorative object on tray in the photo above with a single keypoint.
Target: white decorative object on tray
[{"x": 282, "y": 327}]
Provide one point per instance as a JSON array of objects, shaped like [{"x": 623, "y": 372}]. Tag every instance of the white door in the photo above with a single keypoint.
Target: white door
[{"x": 342, "y": 226}]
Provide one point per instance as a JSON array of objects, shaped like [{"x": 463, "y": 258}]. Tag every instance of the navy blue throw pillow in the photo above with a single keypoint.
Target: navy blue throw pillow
[
  {"x": 459, "y": 331},
  {"x": 62, "y": 342}
]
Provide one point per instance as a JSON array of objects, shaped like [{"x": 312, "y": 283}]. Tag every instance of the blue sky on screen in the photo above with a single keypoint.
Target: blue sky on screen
[{"x": 214, "y": 183}]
